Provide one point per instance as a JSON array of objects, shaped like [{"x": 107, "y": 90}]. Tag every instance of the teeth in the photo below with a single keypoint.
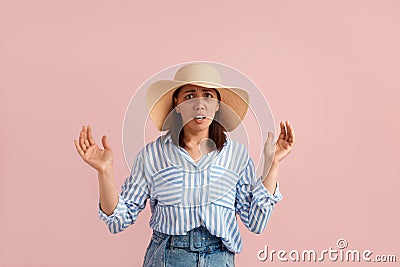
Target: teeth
[{"x": 199, "y": 117}]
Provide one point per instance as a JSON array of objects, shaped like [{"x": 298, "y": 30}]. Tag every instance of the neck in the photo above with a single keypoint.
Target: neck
[
  {"x": 194, "y": 137},
  {"x": 198, "y": 141}
]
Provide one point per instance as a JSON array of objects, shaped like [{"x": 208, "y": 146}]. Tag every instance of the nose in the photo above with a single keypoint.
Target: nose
[{"x": 199, "y": 103}]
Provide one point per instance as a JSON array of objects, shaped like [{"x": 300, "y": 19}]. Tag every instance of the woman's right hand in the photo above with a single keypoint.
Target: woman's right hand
[{"x": 100, "y": 159}]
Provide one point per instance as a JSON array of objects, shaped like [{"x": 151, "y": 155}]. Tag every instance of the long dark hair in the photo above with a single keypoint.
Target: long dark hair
[{"x": 215, "y": 130}]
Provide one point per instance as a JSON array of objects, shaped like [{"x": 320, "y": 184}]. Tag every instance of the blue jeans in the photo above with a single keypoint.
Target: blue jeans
[{"x": 195, "y": 249}]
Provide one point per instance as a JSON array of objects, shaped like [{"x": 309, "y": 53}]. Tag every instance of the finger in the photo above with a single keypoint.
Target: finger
[
  {"x": 86, "y": 137},
  {"x": 90, "y": 136},
  {"x": 78, "y": 148},
  {"x": 283, "y": 131},
  {"x": 270, "y": 137},
  {"x": 104, "y": 141},
  {"x": 287, "y": 132},
  {"x": 82, "y": 139}
]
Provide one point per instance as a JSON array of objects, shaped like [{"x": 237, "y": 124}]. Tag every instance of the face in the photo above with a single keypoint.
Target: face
[{"x": 197, "y": 106}]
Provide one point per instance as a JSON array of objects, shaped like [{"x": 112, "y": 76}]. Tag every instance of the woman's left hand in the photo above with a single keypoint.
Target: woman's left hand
[{"x": 283, "y": 146}]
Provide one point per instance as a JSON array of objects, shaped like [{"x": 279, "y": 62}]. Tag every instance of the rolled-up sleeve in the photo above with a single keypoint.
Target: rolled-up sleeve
[
  {"x": 131, "y": 200},
  {"x": 254, "y": 203}
]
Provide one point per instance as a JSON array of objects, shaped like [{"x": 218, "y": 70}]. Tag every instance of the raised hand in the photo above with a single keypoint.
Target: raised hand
[
  {"x": 283, "y": 146},
  {"x": 100, "y": 159}
]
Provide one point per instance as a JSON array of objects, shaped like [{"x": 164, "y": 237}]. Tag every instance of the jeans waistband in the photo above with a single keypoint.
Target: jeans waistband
[{"x": 197, "y": 239}]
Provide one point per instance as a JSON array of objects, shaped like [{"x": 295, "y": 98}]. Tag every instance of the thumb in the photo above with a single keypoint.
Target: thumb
[
  {"x": 104, "y": 141},
  {"x": 270, "y": 138}
]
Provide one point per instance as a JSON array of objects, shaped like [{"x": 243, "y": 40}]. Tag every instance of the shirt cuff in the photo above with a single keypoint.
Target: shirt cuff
[
  {"x": 120, "y": 209},
  {"x": 261, "y": 193}
]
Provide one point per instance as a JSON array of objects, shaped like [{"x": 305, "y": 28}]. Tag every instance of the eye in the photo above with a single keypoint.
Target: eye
[
  {"x": 208, "y": 95},
  {"x": 189, "y": 96}
]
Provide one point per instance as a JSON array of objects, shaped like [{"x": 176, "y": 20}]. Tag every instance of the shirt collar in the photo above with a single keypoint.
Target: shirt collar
[{"x": 167, "y": 138}]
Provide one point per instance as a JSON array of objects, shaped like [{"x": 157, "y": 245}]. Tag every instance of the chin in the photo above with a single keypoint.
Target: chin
[{"x": 199, "y": 127}]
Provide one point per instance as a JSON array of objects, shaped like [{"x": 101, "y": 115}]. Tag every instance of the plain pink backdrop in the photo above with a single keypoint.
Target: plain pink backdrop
[{"x": 329, "y": 67}]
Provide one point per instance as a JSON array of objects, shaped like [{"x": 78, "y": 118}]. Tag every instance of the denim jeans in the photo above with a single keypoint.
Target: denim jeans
[{"x": 197, "y": 248}]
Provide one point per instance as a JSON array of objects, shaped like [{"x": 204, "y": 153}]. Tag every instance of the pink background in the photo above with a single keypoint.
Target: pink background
[{"x": 329, "y": 67}]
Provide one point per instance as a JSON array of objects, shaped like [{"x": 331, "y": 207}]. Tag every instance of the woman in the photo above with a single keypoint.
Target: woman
[{"x": 197, "y": 179}]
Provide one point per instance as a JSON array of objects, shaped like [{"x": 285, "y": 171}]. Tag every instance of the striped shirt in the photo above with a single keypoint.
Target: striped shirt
[{"x": 184, "y": 194}]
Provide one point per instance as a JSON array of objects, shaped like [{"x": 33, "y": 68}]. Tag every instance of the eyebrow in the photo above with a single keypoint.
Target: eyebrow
[{"x": 204, "y": 90}]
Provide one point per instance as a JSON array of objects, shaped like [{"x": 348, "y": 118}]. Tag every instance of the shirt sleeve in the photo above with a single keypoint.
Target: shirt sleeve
[
  {"x": 131, "y": 200},
  {"x": 254, "y": 203}
]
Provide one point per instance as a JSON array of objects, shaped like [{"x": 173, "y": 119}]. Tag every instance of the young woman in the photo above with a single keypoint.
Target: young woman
[{"x": 197, "y": 179}]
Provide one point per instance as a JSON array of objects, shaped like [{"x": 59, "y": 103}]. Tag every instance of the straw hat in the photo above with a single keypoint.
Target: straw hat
[{"x": 234, "y": 101}]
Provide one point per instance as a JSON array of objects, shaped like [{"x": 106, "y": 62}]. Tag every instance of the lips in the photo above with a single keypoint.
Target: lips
[{"x": 199, "y": 117}]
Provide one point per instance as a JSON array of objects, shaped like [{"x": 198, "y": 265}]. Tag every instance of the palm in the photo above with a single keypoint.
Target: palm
[
  {"x": 98, "y": 158},
  {"x": 282, "y": 149},
  {"x": 283, "y": 146},
  {"x": 91, "y": 153}
]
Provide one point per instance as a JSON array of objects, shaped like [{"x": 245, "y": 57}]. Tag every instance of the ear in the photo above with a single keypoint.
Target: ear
[{"x": 217, "y": 108}]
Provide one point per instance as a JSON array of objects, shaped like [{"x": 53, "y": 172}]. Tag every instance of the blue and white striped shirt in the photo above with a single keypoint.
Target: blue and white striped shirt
[{"x": 185, "y": 194}]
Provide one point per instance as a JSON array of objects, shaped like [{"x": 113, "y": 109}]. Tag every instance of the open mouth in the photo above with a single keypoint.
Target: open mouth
[{"x": 199, "y": 117}]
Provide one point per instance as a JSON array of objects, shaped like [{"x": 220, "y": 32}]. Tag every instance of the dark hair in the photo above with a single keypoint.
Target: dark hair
[{"x": 215, "y": 130}]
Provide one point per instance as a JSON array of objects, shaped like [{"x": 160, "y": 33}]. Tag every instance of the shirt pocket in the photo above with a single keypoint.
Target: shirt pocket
[
  {"x": 168, "y": 186},
  {"x": 223, "y": 187}
]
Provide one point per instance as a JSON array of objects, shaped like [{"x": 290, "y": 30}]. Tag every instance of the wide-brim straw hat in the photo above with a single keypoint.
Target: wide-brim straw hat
[{"x": 234, "y": 101}]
